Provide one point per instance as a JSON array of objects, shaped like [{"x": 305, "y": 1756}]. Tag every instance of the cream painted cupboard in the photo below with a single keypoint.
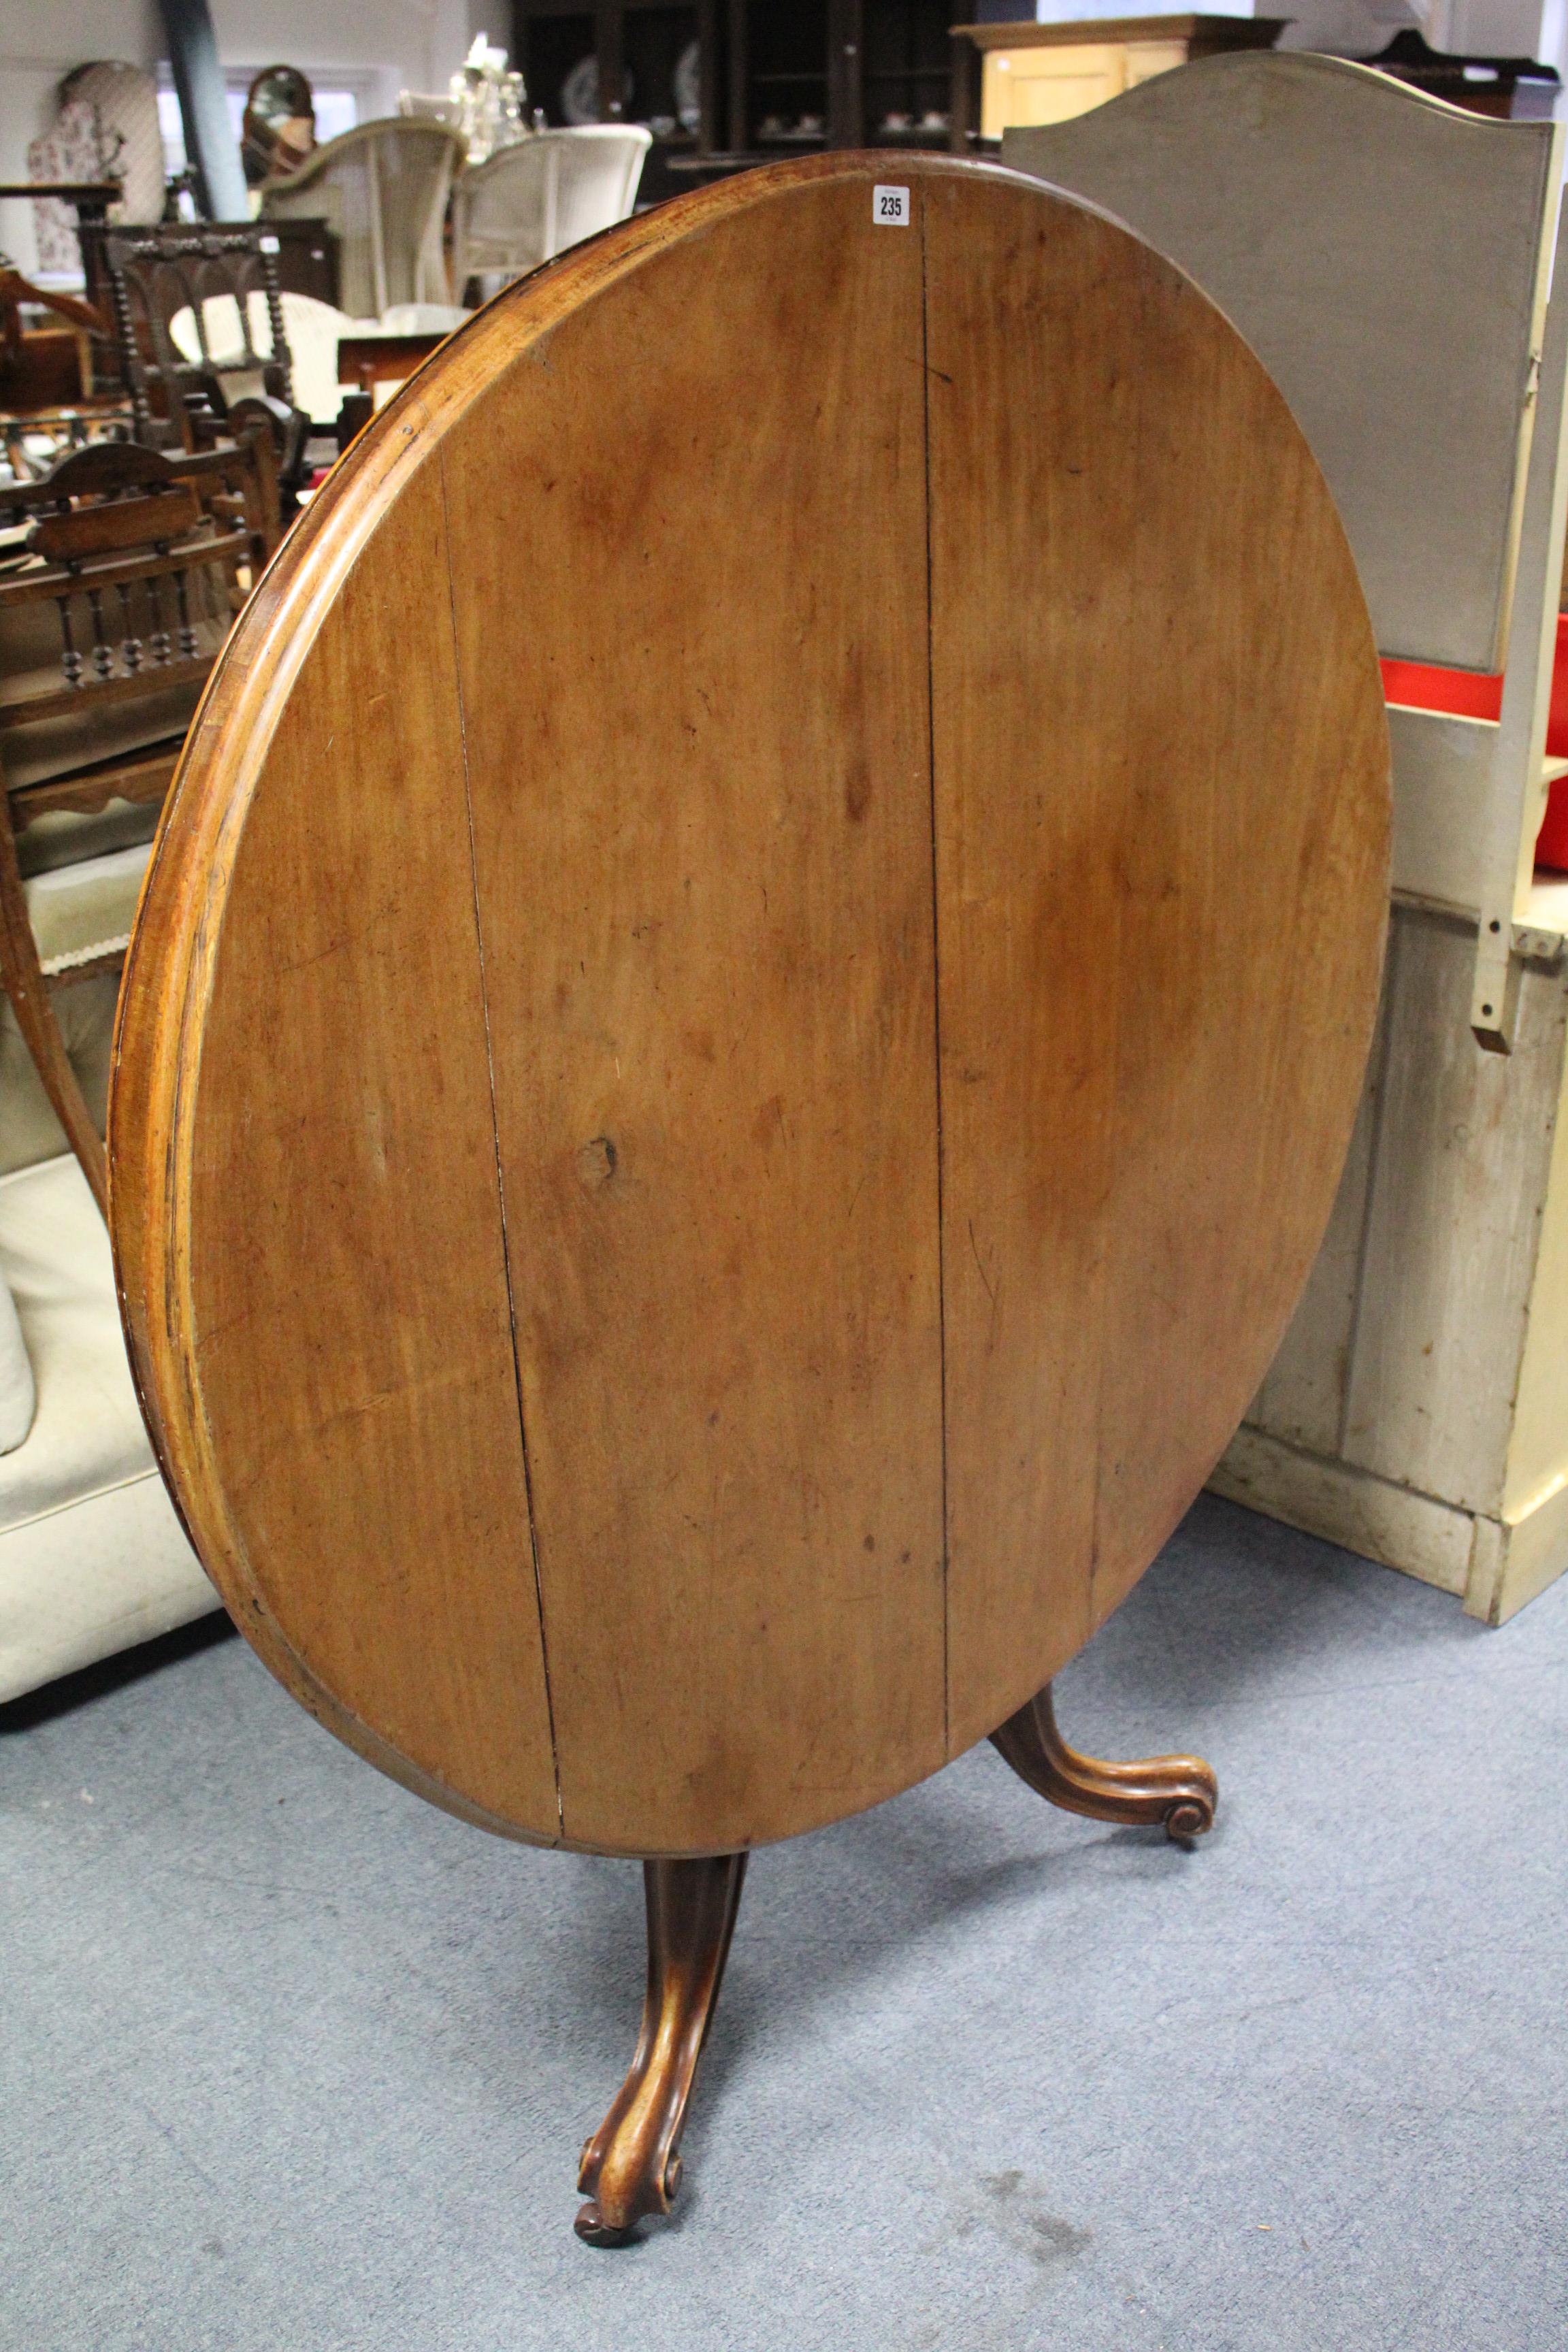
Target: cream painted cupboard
[
  {"x": 1030, "y": 73},
  {"x": 1389, "y": 259}
]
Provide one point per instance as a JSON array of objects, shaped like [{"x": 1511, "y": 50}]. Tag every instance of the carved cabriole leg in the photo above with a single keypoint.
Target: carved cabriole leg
[
  {"x": 1179, "y": 1791},
  {"x": 631, "y": 2166}
]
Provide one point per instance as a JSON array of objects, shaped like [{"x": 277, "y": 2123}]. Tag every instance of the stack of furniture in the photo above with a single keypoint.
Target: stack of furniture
[
  {"x": 211, "y": 341},
  {"x": 88, "y": 202},
  {"x": 36, "y": 438},
  {"x": 184, "y": 401},
  {"x": 50, "y": 397},
  {"x": 1388, "y": 257},
  {"x": 375, "y": 357},
  {"x": 124, "y": 569},
  {"x": 895, "y": 73},
  {"x": 220, "y": 339},
  {"x": 1516, "y": 90},
  {"x": 50, "y": 366},
  {"x": 305, "y": 260},
  {"x": 128, "y": 567},
  {"x": 107, "y": 129}
]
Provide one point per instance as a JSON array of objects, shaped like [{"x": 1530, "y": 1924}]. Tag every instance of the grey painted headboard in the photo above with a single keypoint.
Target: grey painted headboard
[{"x": 1387, "y": 257}]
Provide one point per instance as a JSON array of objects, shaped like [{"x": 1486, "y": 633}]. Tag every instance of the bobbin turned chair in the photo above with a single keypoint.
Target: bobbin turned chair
[
  {"x": 185, "y": 400},
  {"x": 45, "y": 412},
  {"x": 130, "y": 568}
]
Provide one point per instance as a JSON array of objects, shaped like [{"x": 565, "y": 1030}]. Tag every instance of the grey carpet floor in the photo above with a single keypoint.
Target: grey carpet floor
[{"x": 290, "y": 2060}]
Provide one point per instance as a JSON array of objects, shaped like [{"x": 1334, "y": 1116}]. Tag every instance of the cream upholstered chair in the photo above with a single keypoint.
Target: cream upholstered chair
[
  {"x": 92, "y": 1557},
  {"x": 382, "y": 190},
  {"x": 531, "y": 201},
  {"x": 314, "y": 331}
]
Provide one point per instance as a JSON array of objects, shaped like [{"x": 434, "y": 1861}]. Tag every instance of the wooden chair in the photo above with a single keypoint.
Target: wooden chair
[
  {"x": 528, "y": 202},
  {"x": 35, "y": 442},
  {"x": 126, "y": 569},
  {"x": 381, "y": 188},
  {"x": 30, "y": 365},
  {"x": 156, "y": 275},
  {"x": 50, "y": 398},
  {"x": 1388, "y": 259}
]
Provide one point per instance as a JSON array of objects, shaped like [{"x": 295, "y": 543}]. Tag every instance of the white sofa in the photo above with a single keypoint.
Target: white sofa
[{"x": 92, "y": 1557}]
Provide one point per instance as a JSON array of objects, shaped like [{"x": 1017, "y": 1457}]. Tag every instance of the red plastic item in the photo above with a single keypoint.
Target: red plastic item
[
  {"x": 1552, "y": 841},
  {"x": 1462, "y": 693},
  {"x": 1465, "y": 694}
]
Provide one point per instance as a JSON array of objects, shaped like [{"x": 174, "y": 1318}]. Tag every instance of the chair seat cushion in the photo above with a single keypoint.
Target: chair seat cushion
[
  {"x": 69, "y": 836},
  {"x": 82, "y": 911},
  {"x": 92, "y": 1558},
  {"x": 312, "y": 328}
]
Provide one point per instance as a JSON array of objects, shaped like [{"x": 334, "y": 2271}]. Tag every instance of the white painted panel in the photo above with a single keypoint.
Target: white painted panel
[
  {"x": 1538, "y": 1451},
  {"x": 1366, "y": 1515},
  {"x": 1441, "y": 776},
  {"x": 1302, "y": 1398},
  {"x": 1460, "y": 1179}
]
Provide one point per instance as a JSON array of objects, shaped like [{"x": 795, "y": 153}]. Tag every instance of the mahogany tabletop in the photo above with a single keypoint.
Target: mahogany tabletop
[{"x": 749, "y": 1002}]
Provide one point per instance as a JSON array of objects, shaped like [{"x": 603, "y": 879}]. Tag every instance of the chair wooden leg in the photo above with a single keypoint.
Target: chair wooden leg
[
  {"x": 23, "y": 978},
  {"x": 632, "y": 2165},
  {"x": 1178, "y": 1790}
]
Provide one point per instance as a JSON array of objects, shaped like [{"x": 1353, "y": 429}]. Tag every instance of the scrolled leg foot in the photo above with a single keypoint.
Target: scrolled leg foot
[
  {"x": 1179, "y": 1791},
  {"x": 631, "y": 2167}
]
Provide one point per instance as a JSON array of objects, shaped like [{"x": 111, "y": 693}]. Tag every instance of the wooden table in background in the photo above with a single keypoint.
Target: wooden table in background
[
  {"x": 91, "y": 198},
  {"x": 368, "y": 363}
]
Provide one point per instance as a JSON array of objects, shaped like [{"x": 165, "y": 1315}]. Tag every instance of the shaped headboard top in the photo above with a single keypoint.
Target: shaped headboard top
[{"x": 1387, "y": 257}]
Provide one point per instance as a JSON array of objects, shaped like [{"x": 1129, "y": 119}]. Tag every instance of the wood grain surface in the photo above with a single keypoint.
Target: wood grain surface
[
  {"x": 1146, "y": 941},
  {"x": 745, "y": 1017}
]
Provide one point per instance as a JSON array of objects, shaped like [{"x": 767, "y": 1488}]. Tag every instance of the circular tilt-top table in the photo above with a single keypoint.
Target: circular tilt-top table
[{"x": 743, "y": 1025}]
